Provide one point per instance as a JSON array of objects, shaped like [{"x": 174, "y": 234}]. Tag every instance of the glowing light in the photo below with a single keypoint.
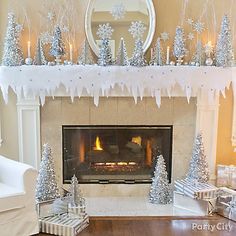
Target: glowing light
[
  {"x": 98, "y": 146},
  {"x": 137, "y": 140}
]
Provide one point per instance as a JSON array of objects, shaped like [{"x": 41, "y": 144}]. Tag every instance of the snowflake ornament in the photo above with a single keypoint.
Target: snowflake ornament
[
  {"x": 118, "y": 11},
  {"x": 105, "y": 31},
  {"x": 137, "y": 29},
  {"x": 165, "y": 36},
  {"x": 198, "y": 27},
  {"x": 51, "y": 16},
  {"x": 190, "y": 21},
  {"x": 190, "y": 36},
  {"x": 65, "y": 29}
]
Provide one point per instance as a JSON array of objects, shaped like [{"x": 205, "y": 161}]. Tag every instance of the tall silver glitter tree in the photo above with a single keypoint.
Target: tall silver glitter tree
[
  {"x": 198, "y": 167},
  {"x": 137, "y": 30},
  {"x": 39, "y": 58},
  {"x": 46, "y": 187},
  {"x": 224, "y": 49},
  {"x": 105, "y": 55},
  {"x": 85, "y": 56},
  {"x": 160, "y": 192},
  {"x": 57, "y": 48},
  {"x": 122, "y": 57},
  {"x": 157, "y": 57},
  {"x": 12, "y": 54},
  {"x": 179, "y": 45}
]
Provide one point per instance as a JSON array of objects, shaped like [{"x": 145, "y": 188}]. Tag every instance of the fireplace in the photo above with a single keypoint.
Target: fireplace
[{"x": 114, "y": 154}]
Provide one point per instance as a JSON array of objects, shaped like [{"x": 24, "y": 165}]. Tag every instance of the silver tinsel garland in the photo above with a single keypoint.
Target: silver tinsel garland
[
  {"x": 198, "y": 168},
  {"x": 160, "y": 192},
  {"x": 224, "y": 49},
  {"x": 46, "y": 187},
  {"x": 12, "y": 54}
]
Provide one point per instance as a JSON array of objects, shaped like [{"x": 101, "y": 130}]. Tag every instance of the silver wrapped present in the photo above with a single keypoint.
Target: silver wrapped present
[
  {"x": 63, "y": 225},
  {"x": 196, "y": 190},
  {"x": 44, "y": 209},
  {"x": 198, "y": 206},
  {"x": 226, "y": 176},
  {"x": 226, "y": 203}
]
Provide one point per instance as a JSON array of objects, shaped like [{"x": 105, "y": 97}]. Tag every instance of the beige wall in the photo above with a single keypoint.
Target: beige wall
[{"x": 168, "y": 16}]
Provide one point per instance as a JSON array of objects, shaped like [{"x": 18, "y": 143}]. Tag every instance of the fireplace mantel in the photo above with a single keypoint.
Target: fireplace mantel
[
  {"x": 33, "y": 82},
  {"x": 96, "y": 81}
]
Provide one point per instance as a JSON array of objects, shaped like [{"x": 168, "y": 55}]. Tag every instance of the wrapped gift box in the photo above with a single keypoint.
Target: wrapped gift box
[
  {"x": 226, "y": 176},
  {"x": 196, "y": 190},
  {"x": 45, "y": 209},
  {"x": 226, "y": 203},
  {"x": 198, "y": 206},
  {"x": 63, "y": 225}
]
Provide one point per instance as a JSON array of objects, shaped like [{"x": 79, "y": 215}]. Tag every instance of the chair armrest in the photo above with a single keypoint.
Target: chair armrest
[{"x": 16, "y": 174}]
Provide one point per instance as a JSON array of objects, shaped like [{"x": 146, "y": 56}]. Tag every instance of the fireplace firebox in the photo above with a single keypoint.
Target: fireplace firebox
[{"x": 115, "y": 154}]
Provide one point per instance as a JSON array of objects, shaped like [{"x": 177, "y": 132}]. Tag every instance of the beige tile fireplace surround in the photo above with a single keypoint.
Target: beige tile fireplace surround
[{"x": 121, "y": 111}]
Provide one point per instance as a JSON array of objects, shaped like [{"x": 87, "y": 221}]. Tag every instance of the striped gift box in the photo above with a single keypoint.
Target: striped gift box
[
  {"x": 63, "y": 225},
  {"x": 196, "y": 190}
]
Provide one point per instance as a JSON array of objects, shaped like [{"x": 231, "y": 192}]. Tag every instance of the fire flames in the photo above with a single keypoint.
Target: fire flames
[{"x": 98, "y": 146}]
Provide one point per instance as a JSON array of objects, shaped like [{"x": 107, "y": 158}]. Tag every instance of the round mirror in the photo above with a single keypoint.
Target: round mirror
[{"x": 119, "y": 14}]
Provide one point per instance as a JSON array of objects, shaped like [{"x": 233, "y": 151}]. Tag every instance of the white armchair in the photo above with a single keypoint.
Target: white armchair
[{"x": 18, "y": 216}]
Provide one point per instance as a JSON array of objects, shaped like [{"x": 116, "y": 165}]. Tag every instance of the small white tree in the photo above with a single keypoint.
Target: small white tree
[
  {"x": 179, "y": 45},
  {"x": 157, "y": 57},
  {"x": 122, "y": 57},
  {"x": 12, "y": 53},
  {"x": 138, "y": 58},
  {"x": 39, "y": 58},
  {"x": 46, "y": 187},
  {"x": 199, "y": 53},
  {"x": 198, "y": 167},
  {"x": 224, "y": 49},
  {"x": 160, "y": 192},
  {"x": 75, "y": 194},
  {"x": 85, "y": 56}
]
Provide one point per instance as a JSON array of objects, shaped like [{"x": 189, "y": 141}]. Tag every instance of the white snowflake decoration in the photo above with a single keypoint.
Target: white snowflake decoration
[
  {"x": 190, "y": 21},
  {"x": 105, "y": 31},
  {"x": 51, "y": 16},
  {"x": 65, "y": 29},
  {"x": 199, "y": 27},
  {"x": 165, "y": 36},
  {"x": 118, "y": 11},
  {"x": 190, "y": 36},
  {"x": 137, "y": 29}
]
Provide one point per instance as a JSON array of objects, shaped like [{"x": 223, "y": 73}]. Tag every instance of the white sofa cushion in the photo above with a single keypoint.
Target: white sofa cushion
[{"x": 11, "y": 198}]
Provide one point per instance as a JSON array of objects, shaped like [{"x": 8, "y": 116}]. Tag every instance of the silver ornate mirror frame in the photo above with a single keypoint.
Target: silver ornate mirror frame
[{"x": 147, "y": 42}]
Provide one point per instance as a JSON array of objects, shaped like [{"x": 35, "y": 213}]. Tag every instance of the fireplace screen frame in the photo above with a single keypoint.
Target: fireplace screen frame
[{"x": 146, "y": 181}]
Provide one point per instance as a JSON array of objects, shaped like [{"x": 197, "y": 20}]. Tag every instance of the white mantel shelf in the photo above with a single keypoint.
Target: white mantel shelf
[{"x": 99, "y": 81}]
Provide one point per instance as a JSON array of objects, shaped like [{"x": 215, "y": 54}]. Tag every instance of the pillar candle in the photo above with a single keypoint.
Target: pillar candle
[
  {"x": 29, "y": 46},
  {"x": 71, "y": 53},
  {"x": 168, "y": 56}
]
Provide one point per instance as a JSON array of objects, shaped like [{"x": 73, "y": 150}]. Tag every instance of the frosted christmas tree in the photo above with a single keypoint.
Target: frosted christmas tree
[
  {"x": 105, "y": 56},
  {"x": 39, "y": 58},
  {"x": 199, "y": 56},
  {"x": 224, "y": 49},
  {"x": 57, "y": 48},
  {"x": 12, "y": 54},
  {"x": 179, "y": 45},
  {"x": 85, "y": 56},
  {"x": 198, "y": 168},
  {"x": 122, "y": 57},
  {"x": 46, "y": 187},
  {"x": 137, "y": 30},
  {"x": 160, "y": 188},
  {"x": 76, "y": 206},
  {"x": 157, "y": 57}
]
